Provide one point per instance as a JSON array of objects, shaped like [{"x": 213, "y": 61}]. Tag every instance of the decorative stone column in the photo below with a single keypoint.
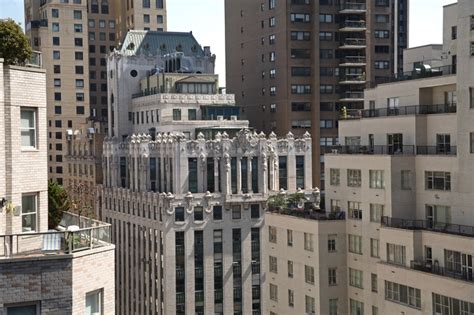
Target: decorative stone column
[
  {"x": 239, "y": 175},
  {"x": 249, "y": 174},
  {"x": 216, "y": 175}
]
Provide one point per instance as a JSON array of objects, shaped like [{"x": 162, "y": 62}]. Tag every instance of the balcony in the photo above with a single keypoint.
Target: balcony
[
  {"x": 93, "y": 234},
  {"x": 439, "y": 227},
  {"x": 353, "y": 61},
  {"x": 352, "y": 7},
  {"x": 402, "y": 111},
  {"x": 352, "y": 96},
  {"x": 436, "y": 150},
  {"x": 353, "y": 26},
  {"x": 319, "y": 215},
  {"x": 420, "y": 73},
  {"x": 353, "y": 43},
  {"x": 372, "y": 150},
  {"x": 442, "y": 271},
  {"x": 352, "y": 79}
]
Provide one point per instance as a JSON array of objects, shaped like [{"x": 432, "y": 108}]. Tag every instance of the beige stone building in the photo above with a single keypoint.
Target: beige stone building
[
  {"x": 404, "y": 175},
  {"x": 69, "y": 270},
  {"x": 75, "y": 37},
  {"x": 186, "y": 183},
  {"x": 293, "y": 65}
]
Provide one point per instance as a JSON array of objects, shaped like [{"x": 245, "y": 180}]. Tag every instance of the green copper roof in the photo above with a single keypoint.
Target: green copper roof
[{"x": 160, "y": 43}]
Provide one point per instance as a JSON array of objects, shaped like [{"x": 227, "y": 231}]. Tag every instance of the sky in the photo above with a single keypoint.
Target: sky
[{"x": 206, "y": 19}]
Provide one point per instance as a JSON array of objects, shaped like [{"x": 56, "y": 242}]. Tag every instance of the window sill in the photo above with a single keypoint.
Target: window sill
[{"x": 29, "y": 149}]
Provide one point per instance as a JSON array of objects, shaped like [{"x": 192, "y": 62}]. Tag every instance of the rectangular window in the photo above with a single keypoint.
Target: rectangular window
[
  {"x": 291, "y": 298},
  {"x": 272, "y": 234},
  {"x": 217, "y": 213},
  {"x": 355, "y": 212},
  {"x": 376, "y": 212},
  {"x": 300, "y": 18},
  {"x": 282, "y": 172},
  {"x": 356, "y": 278},
  {"x": 77, "y": 14},
  {"x": 192, "y": 175},
  {"x": 179, "y": 214},
  {"x": 300, "y": 172},
  {"x": 94, "y": 303},
  {"x": 308, "y": 242},
  {"x": 377, "y": 179},
  {"x": 29, "y": 209},
  {"x": 255, "y": 211},
  {"x": 354, "y": 178},
  {"x": 236, "y": 212},
  {"x": 333, "y": 306},
  {"x": 289, "y": 237},
  {"x": 332, "y": 276},
  {"x": 290, "y": 269},
  {"x": 373, "y": 282},
  {"x": 356, "y": 307},
  {"x": 176, "y": 114},
  {"x": 403, "y": 294},
  {"x": 332, "y": 238},
  {"x": 437, "y": 180},
  {"x": 273, "y": 292},
  {"x": 355, "y": 244},
  {"x": 374, "y": 248},
  {"x": 310, "y": 305},
  {"x": 198, "y": 214},
  {"x": 309, "y": 274},
  {"x": 273, "y": 264},
  {"x": 192, "y": 114},
  {"x": 300, "y": 36},
  {"x": 335, "y": 205},
  {"x": 335, "y": 176},
  {"x": 396, "y": 254},
  {"x": 28, "y": 127}
]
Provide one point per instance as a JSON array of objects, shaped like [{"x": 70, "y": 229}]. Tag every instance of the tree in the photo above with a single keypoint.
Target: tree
[
  {"x": 14, "y": 46},
  {"x": 58, "y": 202}
]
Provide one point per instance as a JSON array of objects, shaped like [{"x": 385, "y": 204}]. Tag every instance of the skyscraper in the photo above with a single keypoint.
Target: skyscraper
[
  {"x": 294, "y": 65},
  {"x": 75, "y": 37}
]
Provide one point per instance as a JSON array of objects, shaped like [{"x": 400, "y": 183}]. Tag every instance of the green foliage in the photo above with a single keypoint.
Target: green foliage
[
  {"x": 14, "y": 46},
  {"x": 276, "y": 202},
  {"x": 58, "y": 202},
  {"x": 294, "y": 199}
]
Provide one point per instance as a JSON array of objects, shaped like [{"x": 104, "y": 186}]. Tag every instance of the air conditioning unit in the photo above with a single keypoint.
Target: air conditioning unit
[
  {"x": 233, "y": 117},
  {"x": 220, "y": 117}
]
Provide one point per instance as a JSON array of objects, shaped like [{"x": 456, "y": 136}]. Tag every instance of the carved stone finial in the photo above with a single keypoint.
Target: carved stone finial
[
  {"x": 290, "y": 136},
  {"x": 272, "y": 136},
  {"x": 307, "y": 135},
  {"x": 200, "y": 136}
]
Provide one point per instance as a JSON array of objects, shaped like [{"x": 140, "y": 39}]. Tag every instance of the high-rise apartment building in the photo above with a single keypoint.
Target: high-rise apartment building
[
  {"x": 404, "y": 177},
  {"x": 75, "y": 37},
  {"x": 186, "y": 183},
  {"x": 68, "y": 270},
  {"x": 294, "y": 64}
]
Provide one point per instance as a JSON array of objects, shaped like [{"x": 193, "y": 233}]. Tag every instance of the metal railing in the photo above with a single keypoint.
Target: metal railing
[
  {"x": 353, "y": 24},
  {"x": 441, "y": 227},
  {"x": 311, "y": 214},
  {"x": 93, "y": 234},
  {"x": 353, "y": 42},
  {"x": 353, "y": 94},
  {"x": 353, "y": 6},
  {"x": 402, "y": 111},
  {"x": 353, "y": 59},
  {"x": 416, "y": 74},
  {"x": 359, "y": 77},
  {"x": 436, "y": 150},
  {"x": 429, "y": 267},
  {"x": 371, "y": 150}
]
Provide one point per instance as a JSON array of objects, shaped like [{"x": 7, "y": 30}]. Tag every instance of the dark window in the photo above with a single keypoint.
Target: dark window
[
  {"x": 282, "y": 170},
  {"x": 57, "y": 96},
  {"x": 300, "y": 53},
  {"x": 217, "y": 212},
  {"x": 79, "y": 70},
  {"x": 57, "y": 69},
  {"x": 80, "y": 110},
  {"x": 192, "y": 175},
  {"x": 179, "y": 214},
  {"x": 301, "y": 71},
  {"x": 255, "y": 211},
  {"x": 57, "y": 110},
  {"x": 78, "y": 42},
  {"x": 56, "y": 41}
]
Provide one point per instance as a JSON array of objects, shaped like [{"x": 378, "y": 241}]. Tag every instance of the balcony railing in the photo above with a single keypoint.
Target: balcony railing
[
  {"x": 372, "y": 150},
  {"x": 442, "y": 271},
  {"x": 402, "y": 110},
  {"x": 87, "y": 234},
  {"x": 416, "y": 74},
  {"x": 441, "y": 227},
  {"x": 359, "y": 25},
  {"x": 353, "y": 6},
  {"x": 353, "y": 60},
  {"x": 312, "y": 214},
  {"x": 357, "y": 78},
  {"x": 436, "y": 150},
  {"x": 352, "y": 95},
  {"x": 353, "y": 42}
]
